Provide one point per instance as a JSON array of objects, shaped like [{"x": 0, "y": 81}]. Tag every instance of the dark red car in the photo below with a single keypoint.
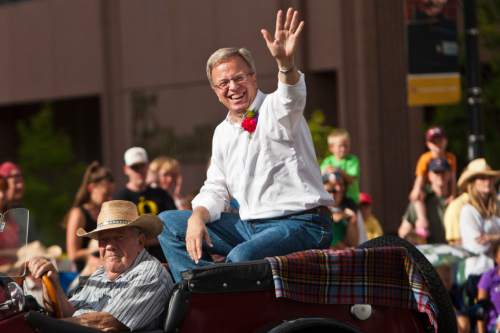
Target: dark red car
[{"x": 241, "y": 297}]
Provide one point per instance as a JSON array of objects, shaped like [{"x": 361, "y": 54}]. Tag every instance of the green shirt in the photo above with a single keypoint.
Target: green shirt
[
  {"x": 339, "y": 230},
  {"x": 350, "y": 165}
]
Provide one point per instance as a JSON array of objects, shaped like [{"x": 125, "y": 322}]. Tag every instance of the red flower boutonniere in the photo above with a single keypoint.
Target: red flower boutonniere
[{"x": 249, "y": 123}]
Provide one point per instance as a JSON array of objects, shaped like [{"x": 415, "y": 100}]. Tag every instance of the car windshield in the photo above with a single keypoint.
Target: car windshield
[{"x": 14, "y": 225}]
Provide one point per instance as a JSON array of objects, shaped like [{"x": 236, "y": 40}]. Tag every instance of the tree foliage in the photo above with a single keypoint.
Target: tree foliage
[
  {"x": 50, "y": 171},
  {"x": 455, "y": 118},
  {"x": 319, "y": 132}
]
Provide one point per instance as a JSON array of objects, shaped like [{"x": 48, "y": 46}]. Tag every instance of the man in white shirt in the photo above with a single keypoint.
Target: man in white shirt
[{"x": 262, "y": 156}]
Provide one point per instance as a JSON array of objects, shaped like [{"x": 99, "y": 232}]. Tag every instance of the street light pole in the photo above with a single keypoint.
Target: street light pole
[{"x": 473, "y": 76}]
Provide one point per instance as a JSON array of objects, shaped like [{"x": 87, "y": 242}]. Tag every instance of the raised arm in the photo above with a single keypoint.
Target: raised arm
[{"x": 282, "y": 47}]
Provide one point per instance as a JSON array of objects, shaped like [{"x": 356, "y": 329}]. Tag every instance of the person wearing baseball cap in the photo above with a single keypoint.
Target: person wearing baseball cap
[
  {"x": 436, "y": 142},
  {"x": 148, "y": 200},
  {"x": 372, "y": 225},
  {"x": 15, "y": 180},
  {"x": 434, "y": 203},
  {"x": 134, "y": 285}
]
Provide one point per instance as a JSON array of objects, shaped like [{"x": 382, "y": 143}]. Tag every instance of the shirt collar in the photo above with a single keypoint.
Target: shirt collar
[
  {"x": 257, "y": 102},
  {"x": 255, "y": 106}
]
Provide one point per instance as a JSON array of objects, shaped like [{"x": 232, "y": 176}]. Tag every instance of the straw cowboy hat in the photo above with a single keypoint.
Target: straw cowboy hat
[
  {"x": 477, "y": 167},
  {"x": 121, "y": 214}
]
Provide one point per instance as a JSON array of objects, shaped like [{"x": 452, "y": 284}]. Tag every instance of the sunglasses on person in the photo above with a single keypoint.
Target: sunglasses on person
[{"x": 138, "y": 167}]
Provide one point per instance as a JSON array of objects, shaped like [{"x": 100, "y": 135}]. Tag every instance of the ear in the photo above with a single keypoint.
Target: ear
[
  {"x": 90, "y": 187},
  {"x": 142, "y": 239}
]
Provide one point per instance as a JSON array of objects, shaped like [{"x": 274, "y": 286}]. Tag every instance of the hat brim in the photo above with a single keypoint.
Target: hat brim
[
  {"x": 468, "y": 175},
  {"x": 149, "y": 224}
]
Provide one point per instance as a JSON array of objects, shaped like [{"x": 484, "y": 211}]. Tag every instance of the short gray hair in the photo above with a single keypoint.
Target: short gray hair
[{"x": 225, "y": 53}]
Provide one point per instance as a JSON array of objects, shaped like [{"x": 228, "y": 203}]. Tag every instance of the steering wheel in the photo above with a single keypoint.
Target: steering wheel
[{"x": 51, "y": 291}]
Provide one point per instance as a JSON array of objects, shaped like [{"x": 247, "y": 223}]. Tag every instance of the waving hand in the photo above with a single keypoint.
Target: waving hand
[{"x": 282, "y": 46}]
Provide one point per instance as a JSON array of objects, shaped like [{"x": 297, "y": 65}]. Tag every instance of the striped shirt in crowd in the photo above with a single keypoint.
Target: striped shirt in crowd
[{"x": 136, "y": 298}]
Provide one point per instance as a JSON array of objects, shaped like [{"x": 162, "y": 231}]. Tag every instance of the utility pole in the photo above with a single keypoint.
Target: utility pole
[{"x": 473, "y": 76}]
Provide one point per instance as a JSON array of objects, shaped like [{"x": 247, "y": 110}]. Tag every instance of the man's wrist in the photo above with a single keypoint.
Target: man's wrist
[{"x": 286, "y": 70}]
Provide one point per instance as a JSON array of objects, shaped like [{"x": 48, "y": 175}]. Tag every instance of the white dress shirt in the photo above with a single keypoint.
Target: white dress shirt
[{"x": 271, "y": 172}]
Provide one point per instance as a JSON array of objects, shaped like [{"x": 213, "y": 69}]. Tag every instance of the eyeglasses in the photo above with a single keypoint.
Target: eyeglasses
[{"x": 238, "y": 79}]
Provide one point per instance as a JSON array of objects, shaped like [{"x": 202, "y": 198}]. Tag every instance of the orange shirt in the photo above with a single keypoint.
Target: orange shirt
[{"x": 425, "y": 159}]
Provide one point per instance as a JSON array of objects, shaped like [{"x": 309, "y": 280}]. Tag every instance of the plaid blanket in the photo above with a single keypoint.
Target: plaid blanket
[{"x": 383, "y": 276}]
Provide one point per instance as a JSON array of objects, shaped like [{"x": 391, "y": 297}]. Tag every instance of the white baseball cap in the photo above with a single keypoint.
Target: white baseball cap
[{"x": 135, "y": 155}]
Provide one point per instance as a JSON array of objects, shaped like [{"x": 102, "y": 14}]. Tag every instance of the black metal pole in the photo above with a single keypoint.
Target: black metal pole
[{"x": 473, "y": 78}]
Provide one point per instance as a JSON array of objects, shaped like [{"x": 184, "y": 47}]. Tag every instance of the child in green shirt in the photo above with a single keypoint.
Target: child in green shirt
[{"x": 339, "y": 145}]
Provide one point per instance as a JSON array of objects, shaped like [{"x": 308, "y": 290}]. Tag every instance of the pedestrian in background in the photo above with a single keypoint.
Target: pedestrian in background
[
  {"x": 339, "y": 144},
  {"x": 14, "y": 176},
  {"x": 435, "y": 204},
  {"x": 372, "y": 225},
  {"x": 480, "y": 217},
  {"x": 152, "y": 178},
  {"x": 436, "y": 142},
  {"x": 170, "y": 179},
  {"x": 148, "y": 200},
  {"x": 96, "y": 188}
]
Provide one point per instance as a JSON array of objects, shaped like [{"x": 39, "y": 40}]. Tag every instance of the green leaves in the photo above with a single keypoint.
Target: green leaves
[
  {"x": 50, "y": 171},
  {"x": 319, "y": 132}
]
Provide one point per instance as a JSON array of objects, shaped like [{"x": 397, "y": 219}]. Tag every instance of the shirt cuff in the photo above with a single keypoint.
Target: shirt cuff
[
  {"x": 301, "y": 83},
  {"x": 210, "y": 204}
]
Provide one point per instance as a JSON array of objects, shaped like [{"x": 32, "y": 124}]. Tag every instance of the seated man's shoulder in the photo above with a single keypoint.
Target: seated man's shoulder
[{"x": 148, "y": 269}]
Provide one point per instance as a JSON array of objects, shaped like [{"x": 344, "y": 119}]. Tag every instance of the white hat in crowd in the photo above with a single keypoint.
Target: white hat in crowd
[
  {"x": 135, "y": 155},
  {"x": 477, "y": 167}
]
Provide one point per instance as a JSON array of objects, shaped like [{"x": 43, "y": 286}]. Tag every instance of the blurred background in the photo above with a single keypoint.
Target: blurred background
[{"x": 83, "y": 80}]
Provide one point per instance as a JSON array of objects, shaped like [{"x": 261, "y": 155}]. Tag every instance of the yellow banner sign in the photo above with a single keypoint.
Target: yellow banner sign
[{"x": 433, "y": 89}]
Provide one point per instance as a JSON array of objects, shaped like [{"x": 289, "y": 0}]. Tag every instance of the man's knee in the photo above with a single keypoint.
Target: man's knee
[
  {"x": 237, "y": 255},
  {"x": 244, "y": 252},
  {"x": 174, "y": 222}
]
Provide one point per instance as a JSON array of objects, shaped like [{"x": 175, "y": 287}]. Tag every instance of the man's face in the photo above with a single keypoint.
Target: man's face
[
  {"x": 118, "y": 249},
  {"x": 137, "y": 173},
  {"x": 234, "y": 84},
  {"x": 15, "y": 190},
  {"x": 438, "y": 179}
]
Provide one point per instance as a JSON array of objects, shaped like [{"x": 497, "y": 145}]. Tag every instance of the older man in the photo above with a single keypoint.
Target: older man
[
  {"x": 262, "y": 156},
  {"x": 131, "y": 289}
]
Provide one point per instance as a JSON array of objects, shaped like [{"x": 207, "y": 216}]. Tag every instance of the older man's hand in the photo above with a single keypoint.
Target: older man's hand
[{"x": 40, "y": 266}]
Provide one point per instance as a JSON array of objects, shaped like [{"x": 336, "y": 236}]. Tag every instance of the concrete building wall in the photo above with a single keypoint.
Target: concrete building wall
[
  {"x": 49, "y": 49},
  {"x": 115, "y": 48}
]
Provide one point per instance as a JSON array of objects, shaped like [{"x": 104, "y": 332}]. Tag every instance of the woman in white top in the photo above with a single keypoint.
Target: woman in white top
[{"x": 480, "y": 217}]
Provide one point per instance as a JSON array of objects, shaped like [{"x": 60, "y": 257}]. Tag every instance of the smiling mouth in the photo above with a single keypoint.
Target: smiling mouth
[{"x": 236, "y": 97}]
